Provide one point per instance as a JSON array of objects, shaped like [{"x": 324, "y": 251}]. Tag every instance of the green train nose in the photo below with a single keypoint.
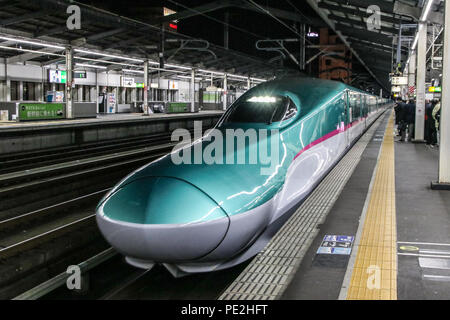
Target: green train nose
[
  {"x": 162, "y": 219},
  {"x": 161, "y": 200}
]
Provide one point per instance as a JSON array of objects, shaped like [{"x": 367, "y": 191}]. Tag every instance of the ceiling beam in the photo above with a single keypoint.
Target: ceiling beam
[
  {"x": 29, "y": 55},
  {"x": 339, "y": 19},
  {"x": 105, "y": 34},
  {"x": 358, "y": 12},
  {"x": 364, "y": 34},
  {"x": 332, "y": 25},
  {"x": 24, "y": 17}
]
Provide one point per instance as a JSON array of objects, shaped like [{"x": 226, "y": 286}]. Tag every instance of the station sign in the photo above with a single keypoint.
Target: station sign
[
  {"x": 79, "y": 75},
  {"x": 434, "y": 89},
  {"x": 399, "y": 81},
  {"x": 128, "y": 82},
  {"x": 173, "y": 25},
  {"x": 139, "y": 85},
  {"x": 41, "y": 111}
]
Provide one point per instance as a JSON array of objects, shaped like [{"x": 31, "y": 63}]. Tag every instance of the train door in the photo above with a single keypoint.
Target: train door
[
  {"x": 365, "y": 111},
  {"x": 348, "y": 118}
]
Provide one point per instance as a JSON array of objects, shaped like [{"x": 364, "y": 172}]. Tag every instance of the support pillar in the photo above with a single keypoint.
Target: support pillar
[
  {"x": 80, "y": 93},
  {"x": 38, "y": 91},
  {"x": 69, "y": 82},
  {"x": 226, "y": 30},
  {"x": 225, "y": 90},
  {"x": 419, "y": 126},
  {"x": 145, "y": 105},
  {"x": 412, "y": 71},
  {"x": 97, "y": 91},
  {"x": 7, "y": 82},
  {"x": 133, "y": 95},
  {"x": 20, "y": 97},
  {"x": 192, "y": 90},
  {"x": 249, "y": 83},
  {"x": 123, "y": 95},
  {"x": 444, "y": 144}
]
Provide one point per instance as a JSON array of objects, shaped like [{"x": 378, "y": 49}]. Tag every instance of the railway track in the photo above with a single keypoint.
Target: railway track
[
  {"x": 47, "y": 213},
  {"x": 27, "y": 160},
  {"x": 71, "y": 172},
  {"x": 108, "y": 277}
]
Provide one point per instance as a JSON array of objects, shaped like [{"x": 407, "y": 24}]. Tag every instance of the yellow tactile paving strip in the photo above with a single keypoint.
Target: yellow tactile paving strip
[{"x": 374, "y": 275}]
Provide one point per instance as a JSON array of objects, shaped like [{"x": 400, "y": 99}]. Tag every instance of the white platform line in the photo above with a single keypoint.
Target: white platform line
[
  {"x": 423, "y": 255},
  {"x": 425, "y": 243}
]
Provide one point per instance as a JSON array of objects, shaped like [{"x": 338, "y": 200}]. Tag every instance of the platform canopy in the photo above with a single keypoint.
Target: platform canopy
[
  {"x": 105, "y": 32},
  {"x": 375, "y": 46}
]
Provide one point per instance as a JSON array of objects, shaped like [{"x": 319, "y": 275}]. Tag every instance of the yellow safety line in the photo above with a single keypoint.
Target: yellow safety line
[{"x": 374, "y": 275}]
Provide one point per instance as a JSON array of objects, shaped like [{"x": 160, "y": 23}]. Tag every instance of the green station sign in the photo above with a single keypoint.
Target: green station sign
[
  {"x": 434, "y": 89},
  {"x": 174, "y": 107},
  {"x": 41, "y": 111}
]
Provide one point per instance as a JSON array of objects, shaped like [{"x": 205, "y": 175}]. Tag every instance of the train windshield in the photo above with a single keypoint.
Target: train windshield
[{"x": 261, "y": 109}]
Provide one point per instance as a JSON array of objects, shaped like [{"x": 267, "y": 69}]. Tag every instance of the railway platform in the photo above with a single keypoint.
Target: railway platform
[
  {"x": 16, "y": 137},
  {"x": 371, "y": 230}
]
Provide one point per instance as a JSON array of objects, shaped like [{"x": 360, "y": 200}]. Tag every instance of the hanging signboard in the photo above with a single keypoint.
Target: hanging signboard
[
  {"x": 399, "y": 81},
  {"x": 79, "y": 75},
  {"x": 434, "y": 89},
  {"x": 128, "y": 82}
]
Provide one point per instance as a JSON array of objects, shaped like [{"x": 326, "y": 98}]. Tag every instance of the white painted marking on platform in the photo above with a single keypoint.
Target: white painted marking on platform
[{"x": 426, "y": 243}]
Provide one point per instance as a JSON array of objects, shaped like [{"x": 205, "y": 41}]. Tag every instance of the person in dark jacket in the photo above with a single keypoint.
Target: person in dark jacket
[
  {"x": 410, "y": 118},
  {"x": 402, "y": 120}
]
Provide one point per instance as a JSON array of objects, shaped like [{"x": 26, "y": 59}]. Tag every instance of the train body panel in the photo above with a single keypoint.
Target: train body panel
[{"x": 208, "y": 216}]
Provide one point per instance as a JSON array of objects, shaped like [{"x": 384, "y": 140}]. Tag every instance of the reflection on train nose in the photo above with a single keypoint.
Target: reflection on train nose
[{"x": 162, "y": 219}]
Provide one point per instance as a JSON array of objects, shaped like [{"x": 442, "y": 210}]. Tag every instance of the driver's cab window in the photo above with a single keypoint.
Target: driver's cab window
[{"x": 261, "y": 109}]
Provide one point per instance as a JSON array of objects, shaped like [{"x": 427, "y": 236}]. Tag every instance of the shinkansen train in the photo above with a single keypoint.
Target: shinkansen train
[{"x": 201, "y": 216}]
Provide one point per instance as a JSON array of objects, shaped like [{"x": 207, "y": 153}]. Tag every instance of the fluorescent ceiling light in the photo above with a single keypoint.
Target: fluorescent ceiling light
[
  {"x": 106, "y": 61},
  {"x": 135, "y": 71},
  {"x": 213, "y": 72},
  {"x": 427, "y": 10},
  {"x": 237, "y": 76},
  {"x": 177, "y": 66},
  {"x": 107, "y": 55},
  {"x": 32, "y": 42},
  {"x": 187, "y": 77},
  {"x": 32, "y": 51},
  {"x": 89, "y": 66}
]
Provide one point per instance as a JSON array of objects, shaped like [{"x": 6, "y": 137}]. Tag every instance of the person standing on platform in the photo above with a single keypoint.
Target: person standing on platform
[
  {"x": 436, "y": 116},
  {"x": 410, "y": 118},
  {"x": 428, "y": 121},
  {"x": 402, "y": 120}
]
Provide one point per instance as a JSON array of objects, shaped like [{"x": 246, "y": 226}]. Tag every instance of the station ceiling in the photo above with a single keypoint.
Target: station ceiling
[{"x": 109, "y": 29}]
